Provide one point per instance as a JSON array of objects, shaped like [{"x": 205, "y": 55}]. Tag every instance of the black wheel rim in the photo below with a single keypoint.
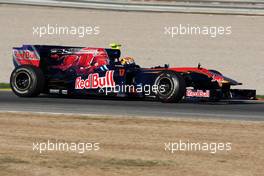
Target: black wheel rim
[
  {"x": 22, "y": 81},
  {"x": 165, "y": 86}
]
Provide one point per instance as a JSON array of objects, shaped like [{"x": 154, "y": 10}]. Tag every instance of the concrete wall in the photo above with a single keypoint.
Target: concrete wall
[{"x": 239, "y": 55}]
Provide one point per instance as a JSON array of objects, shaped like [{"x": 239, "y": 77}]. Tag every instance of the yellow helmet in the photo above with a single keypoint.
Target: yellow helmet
[{"x": 127, "y": 61}]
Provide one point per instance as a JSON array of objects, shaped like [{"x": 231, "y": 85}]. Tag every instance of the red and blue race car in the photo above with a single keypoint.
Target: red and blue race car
[{"x": 87, "y": 71}]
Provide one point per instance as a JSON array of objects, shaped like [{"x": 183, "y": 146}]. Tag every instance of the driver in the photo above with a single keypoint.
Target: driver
[{"x": 127, "y": 61}]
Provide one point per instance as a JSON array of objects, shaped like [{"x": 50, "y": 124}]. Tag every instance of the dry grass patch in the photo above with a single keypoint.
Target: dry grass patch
[{"x": 128, "y": 146}]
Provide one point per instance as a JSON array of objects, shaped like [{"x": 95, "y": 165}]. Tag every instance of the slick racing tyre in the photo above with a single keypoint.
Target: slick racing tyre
[
  {"x": 171, "y": 87},
  {"x": 27, "y": 81}
]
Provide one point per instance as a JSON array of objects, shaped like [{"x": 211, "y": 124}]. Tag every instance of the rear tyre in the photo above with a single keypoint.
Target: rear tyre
[
  {"x": 27, "y": 81},
  {"x": 171, "y": 87}
]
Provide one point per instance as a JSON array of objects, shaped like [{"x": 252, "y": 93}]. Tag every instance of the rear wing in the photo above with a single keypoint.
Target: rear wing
[
  {"x": 26, "y": 55},
  {"x": 33, "y": 54}
]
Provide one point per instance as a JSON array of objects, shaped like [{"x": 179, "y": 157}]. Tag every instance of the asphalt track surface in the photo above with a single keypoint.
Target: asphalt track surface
[{"x": 235, "y": 110}]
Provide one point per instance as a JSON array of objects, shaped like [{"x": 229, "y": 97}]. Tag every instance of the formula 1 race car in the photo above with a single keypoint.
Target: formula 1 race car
[{"x": 85, "y": 71}]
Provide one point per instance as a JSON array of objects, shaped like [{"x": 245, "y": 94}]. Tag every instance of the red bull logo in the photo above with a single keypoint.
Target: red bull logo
[
  {"x": 25, "y": 57},
  {"x": 25, "y": 54},
  {"x": 197, "y": 93},
  {"x": 94, "y": 81}
]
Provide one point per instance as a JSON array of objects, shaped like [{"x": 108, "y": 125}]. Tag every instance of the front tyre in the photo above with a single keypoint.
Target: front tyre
[
  {"x": 27, "y": 81},
  {"x": 171, "y": 87}
]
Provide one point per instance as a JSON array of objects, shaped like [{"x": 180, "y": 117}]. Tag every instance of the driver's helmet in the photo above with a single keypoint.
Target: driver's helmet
[{"x": 127, "y": 61}]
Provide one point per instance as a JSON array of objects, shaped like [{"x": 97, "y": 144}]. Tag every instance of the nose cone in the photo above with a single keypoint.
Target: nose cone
[{"x": 230, "y": 81}]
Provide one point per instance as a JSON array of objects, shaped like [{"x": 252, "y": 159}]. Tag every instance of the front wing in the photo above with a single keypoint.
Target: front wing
[{"x": 219, "y": 94}]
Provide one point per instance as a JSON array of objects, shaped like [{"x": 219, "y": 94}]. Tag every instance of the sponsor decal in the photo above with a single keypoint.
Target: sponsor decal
[
  {"x": 94, "y": 52},
  {"x": 25, "y": 57},
  {"x": 64, "y": 92},
  {"x": 25, "y": 54},
  {"x": 94, "y": 81},
  {"x": 197, "y": 93},
  {"x": 54, "y": 91},
  {"x": 58, "y": 91}
]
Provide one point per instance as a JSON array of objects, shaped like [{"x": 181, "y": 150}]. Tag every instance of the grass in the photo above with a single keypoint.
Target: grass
[
  {"x": 4, "y": 86},
  {"x": 260, "y": 96},
  {"x": 137, "y": 162},
  {"x": 9, "y": 159}
]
